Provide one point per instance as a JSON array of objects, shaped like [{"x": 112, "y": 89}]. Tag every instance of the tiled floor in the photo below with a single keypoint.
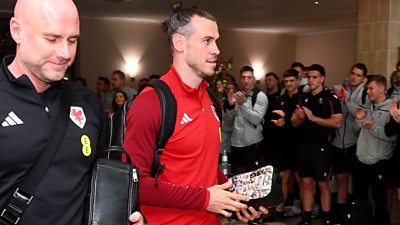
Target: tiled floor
[{"x": 395, "y": 219}]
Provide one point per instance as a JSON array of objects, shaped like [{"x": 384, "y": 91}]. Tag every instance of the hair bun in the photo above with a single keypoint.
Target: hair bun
[{"x": 176, "y": 6}]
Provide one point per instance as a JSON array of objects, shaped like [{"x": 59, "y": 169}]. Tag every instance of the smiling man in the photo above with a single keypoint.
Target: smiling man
[
  {"x": 46, "y": 34},
  {"x": 191, "y": 190},
  {"x": 246, "y": 114},
  {"x": 374, "y": 148},
  {"x": 316, "y": 117}
]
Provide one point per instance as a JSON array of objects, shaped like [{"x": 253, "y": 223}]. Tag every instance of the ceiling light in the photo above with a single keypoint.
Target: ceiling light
[{"x": 316, "y": 2}]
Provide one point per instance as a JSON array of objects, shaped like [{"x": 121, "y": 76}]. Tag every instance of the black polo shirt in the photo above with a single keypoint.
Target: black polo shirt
[
  {"x": 284, "y": 137},
  {"x": 323, "y": 105},
  {"x": 26, "y": 118}
]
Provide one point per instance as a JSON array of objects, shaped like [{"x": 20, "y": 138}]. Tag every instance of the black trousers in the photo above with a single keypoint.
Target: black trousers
[
  {"x": 376, "y": 177},
  {"x": 244, "y": 159}
]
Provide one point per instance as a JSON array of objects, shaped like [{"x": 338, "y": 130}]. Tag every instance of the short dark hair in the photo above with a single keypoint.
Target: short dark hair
[
  {"x": 246, "y": 68},
  {"x": 397, "y": 65},
  {"x": 361, "y": 66},
  {"x": 297, "y": 64},
  {"x": 180, "y": 19},
  {"x": 105, "y": 79},
  {"x": 291, "y": 73},
  {"x": 379, "y": 80},
  {"x": 317, "y": 67},
  {"x": 272, "y": 74},
  {"x": 120, "y": 74}
]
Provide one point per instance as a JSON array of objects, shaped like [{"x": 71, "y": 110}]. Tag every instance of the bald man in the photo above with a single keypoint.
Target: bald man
[{"x": 46, "y": 33}]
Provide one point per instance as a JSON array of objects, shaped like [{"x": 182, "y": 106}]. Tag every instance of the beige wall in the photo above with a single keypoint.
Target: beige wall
[
  {"x": 336, "y": 51},
  {"x": 265, "y": 52},
  {"x": 106, "y": 45}
]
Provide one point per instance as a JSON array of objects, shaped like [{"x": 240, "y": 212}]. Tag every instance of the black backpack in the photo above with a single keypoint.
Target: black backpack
[{"x": 168, "y": 111}]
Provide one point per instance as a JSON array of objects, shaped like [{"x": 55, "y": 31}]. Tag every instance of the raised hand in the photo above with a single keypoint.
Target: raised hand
[
  {"x": 309, "y": 114},
  {"x": 241, "y": 97},
  {"x": 279, "y": 122},
  {"x": 361, "y": 113},
  {"x": 394, "y": 111},
  {"x": 300, "y": 112},
  {"x": 279, "y": 112},
  {"x": 368, "y": 124},
  {"x": 231, "y": 97}
]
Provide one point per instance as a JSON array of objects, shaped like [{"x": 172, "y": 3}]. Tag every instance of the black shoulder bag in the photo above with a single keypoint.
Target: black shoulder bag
[
  {"x": 25, "y": 193},
  {"x": 114, "y": 186}
]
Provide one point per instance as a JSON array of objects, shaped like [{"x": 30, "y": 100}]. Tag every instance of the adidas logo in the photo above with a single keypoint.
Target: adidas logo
[
  {"x": 185, "y": 119},
  {"x": 12, "y": 120}
]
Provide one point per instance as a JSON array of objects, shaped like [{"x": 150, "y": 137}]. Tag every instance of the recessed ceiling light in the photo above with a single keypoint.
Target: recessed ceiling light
[{"x": 316, "y": 2}]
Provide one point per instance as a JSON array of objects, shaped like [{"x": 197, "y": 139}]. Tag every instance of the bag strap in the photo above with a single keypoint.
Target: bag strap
[
  {"x": 24, "y": 194},
  {"x": 255, "y": 90},
  {"x": 168, "y": 118},
  {"x": 216, "y": 103}
]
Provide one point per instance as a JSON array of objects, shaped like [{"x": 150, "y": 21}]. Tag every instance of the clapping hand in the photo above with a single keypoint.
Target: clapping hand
[
  {"x": 281, "y": 121},
  {"x": 300, "y": 112},
  {"x": 394, "y": 111},
  {"x": 240, "y": 97},
  {"x": 367, "y": 124},
  {"x": 361, "y": 113},
  {"x": 231, "y": 97},
  {"x": 309, "y": 114}
]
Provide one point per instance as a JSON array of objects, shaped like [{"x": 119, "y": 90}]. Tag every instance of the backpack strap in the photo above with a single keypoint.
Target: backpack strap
[
  {"x": 216, "y": 103},
  {"x": 168, "y": 118},
  {"x": 254, "y": 95},
  {"x": 364, "y": 96}
]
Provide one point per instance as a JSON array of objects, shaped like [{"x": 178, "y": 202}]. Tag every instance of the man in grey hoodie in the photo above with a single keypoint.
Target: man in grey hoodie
[
  {"x": 351, "y": 94},
  {"x": 374, "y": 148},
  {"x": 246, "y": 119}
]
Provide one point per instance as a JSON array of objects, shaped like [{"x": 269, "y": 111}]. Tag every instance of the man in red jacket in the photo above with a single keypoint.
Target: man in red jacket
[{"x": 191, "y": 190}]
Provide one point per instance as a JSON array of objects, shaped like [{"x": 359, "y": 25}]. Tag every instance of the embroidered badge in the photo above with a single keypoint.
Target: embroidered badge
[
  {"x": 215, "y": 113},
  {"x": 77, "y": 116},
  {"x": 86, "y": 149}
]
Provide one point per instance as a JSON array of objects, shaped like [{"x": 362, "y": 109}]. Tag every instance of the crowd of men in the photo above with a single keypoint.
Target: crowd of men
[
  {"x": 314, "y": 133},
  {"x": 305, "y": 128}
]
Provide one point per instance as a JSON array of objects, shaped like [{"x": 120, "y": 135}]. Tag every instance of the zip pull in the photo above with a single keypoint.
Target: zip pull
[{"x": 134, "y": 175}]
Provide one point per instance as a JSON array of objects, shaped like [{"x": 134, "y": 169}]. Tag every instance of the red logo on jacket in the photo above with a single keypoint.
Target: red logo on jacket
[{"x": 77, "y": 116}]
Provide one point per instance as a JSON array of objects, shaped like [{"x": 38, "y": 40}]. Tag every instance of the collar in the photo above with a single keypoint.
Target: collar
[
  {"x": 23, "y": 80},
  {"x": 203, "y": 85}
]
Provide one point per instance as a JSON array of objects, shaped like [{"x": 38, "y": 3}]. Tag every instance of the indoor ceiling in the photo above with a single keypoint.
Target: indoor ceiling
[{"x": 281, "y": 16}]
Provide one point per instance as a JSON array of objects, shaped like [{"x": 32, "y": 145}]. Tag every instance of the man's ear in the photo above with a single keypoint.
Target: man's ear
[
  {"x": 16, "y": 29},
  {"x": 178, "y": 42}
]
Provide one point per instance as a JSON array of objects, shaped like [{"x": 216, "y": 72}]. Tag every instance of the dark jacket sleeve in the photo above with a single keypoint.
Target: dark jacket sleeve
[{"x": 392, "y": 127}]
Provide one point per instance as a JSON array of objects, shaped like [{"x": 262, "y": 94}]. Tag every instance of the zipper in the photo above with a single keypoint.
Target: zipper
[{"x": 134, "y": 175}]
